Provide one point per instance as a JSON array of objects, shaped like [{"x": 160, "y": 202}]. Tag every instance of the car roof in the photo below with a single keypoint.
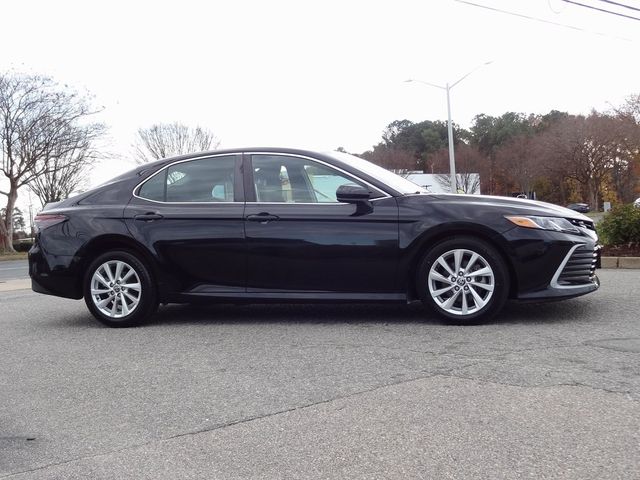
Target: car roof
[
  {"x": 140, "y": 170},
  {"x": 293, "y": 151}
]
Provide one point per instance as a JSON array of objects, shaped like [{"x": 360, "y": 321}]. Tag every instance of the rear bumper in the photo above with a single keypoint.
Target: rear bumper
[
  {"x": 39, "y": 288},
  {"x": 57, "y": 275}
]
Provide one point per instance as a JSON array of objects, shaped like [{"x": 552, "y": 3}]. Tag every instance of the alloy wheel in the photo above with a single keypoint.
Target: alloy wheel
[
  {"x": 116, "y": 289},
  {"x": 461, "y": 282}
]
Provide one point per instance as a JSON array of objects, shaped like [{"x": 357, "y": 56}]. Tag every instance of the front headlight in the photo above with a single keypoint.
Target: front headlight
[{"x": 544, "y": 223}]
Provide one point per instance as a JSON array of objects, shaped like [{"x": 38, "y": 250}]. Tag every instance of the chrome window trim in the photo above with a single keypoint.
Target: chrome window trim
[
  {"x": 202, "y": 157},
  {"x": 188, "y": 203},
  {"x": 315, "y": 203},
  {"x": 554, "y": 281},
  {"x": 351, "y": 175}
]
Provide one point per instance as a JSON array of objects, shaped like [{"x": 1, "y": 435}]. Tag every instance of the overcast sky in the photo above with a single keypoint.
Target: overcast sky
[{"x": 322, "y": 74}]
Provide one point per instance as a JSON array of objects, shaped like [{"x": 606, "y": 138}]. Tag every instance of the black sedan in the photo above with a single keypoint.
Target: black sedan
[
  {"x": 579, "y": 207},
  {"x": 284, "y": 225}
]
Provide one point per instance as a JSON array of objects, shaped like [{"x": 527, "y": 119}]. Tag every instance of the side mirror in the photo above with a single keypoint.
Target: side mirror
[{"x": 352, "y": 194}]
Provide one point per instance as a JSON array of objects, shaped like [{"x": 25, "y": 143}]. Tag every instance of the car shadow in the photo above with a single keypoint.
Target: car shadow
[
  {"x": 570, "y": 311},
  {"x": 513, "y": 313},
  {"x": 292, "y": 313}
]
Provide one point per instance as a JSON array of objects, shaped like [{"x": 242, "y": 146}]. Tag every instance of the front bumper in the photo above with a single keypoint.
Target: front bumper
[
  {"x": 549, "y": 265},
  {"x": 574, "y": 277},
  {"x": 551, "y": 294}
]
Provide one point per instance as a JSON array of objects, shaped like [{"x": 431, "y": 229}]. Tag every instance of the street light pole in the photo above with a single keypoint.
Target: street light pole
[
  {"x": 452, "y": 158},
  {"x": 447, "y": 88}
]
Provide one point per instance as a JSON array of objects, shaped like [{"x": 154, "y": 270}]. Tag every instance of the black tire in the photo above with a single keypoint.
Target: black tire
[
  {"x": 146, "y": 296},
  {"x": 468, "y": 285}
]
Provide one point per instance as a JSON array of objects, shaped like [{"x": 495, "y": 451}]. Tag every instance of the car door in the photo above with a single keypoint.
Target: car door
[
  {"x": 301, "y": 239},
  {"x": 190, "y": 215}
]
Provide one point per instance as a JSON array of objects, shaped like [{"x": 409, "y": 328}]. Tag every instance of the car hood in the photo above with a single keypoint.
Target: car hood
[{"x": 509, "y": 204}]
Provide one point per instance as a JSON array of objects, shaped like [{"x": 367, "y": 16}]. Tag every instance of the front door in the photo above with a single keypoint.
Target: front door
[{"x": 301, "y": 239}]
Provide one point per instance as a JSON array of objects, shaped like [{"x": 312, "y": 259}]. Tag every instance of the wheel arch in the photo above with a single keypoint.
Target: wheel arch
[
  {"x": 105, "y": 243},
  {"x": 428, "y": 240}
]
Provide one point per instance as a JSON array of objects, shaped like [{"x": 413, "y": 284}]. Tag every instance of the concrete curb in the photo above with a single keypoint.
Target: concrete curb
[
  {"x": 621, "y": 262},
  {"x": 10, "y": 285}
]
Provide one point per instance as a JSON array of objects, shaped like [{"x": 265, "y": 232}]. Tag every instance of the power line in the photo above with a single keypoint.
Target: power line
[
  {"x": 591, "y": 7},
  {"x": 541, "y": 20},
  {"x": 621, "y": 5},
  {"x": 553, "y": 9}
]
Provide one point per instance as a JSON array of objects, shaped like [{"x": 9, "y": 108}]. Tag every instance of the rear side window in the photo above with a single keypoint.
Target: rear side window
[
  {"x": 154, "y": 188},
  {"x": 198, "y": 181}
]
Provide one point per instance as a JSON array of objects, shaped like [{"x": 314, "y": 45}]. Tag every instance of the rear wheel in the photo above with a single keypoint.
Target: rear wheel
[
  {"x": 119, "y": 291},
  {"x": 464, "y": 280}
]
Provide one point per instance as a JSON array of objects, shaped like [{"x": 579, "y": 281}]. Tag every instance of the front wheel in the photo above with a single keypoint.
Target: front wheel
[
  {"x": 464, "y": 279},
  {"x": 119, "y": 291}
]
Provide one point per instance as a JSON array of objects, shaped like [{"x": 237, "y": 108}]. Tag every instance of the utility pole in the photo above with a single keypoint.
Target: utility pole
[{"x": 447, "y": 88}]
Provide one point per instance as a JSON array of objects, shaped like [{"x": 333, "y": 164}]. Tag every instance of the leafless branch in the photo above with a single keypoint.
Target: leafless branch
[
  {"x": 45, "y": 136},
  {"x": 164, "y": 140}
]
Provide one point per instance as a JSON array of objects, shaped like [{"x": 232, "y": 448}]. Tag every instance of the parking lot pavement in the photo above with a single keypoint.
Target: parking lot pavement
[{"x": 546, "y": 391}]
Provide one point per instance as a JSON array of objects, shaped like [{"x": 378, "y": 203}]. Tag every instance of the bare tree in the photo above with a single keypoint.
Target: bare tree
[
  {"x": 626, "y": 168},
  {"x": 18, "y": 218},
  {"x": 65, "y": 175},
  {"x": 630, "y": 108},
  {"x": 41, "y": 125},
  {"x": 589, "y": 150},
  {"x": 467, "y": 182},
  {"x": 164, "y": 140},
  {"x": 470, "y": 167},
  {"x": 518, "y": 162}
]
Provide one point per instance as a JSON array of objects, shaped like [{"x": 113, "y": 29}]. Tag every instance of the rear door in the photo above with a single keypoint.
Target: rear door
[{"x": 190, "y": 215}]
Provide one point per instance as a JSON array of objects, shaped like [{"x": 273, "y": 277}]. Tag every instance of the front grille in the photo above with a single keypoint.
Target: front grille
[{"x": 580, "y": 267}]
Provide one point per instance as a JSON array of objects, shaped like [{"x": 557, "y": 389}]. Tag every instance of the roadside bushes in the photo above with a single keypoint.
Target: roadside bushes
[
  {"x": 22, "y": 246},
  {"x": 621, "y": 226}
]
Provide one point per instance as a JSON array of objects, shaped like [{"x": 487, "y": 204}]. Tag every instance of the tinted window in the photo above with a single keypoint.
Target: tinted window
[
  {"x": 296, "y": 180},
  {"x": 325, "y": 181},
  {"x": 205, "y": 180},
  {"x": 154, "y": 188}
]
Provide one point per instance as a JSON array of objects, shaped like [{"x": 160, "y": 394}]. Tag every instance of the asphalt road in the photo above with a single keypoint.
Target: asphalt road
[
  {"x": 13, "y": 269},
  {"x": 546, "y": 391}
]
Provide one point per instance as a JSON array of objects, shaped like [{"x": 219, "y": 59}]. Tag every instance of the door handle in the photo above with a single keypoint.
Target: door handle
[
  {"x": 148, "y": 217},
  {"x": 262, "y": 217}
]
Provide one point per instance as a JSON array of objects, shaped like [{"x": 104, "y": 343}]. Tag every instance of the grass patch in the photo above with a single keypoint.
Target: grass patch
[{"x": 13, "y": 256}]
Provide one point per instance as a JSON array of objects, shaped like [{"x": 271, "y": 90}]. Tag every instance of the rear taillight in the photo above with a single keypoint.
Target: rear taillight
[{"x": 43, "y": 220}]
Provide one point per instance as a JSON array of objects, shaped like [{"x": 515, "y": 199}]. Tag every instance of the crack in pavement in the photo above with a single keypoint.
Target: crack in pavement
[
  {"x": 496, "y": 356},
  {"x": 219, "y": 426},
  {"x": 313, "y": 404},
  {"x": 626, "y": 393}
]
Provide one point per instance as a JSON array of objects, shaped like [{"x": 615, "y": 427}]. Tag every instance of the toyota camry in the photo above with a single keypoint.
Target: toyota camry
[{"x": 284, "y": 225}]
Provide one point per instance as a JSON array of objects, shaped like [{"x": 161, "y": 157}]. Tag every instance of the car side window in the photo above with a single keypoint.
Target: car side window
[
  {"x": 285, "y": 179},
  {"x": 153, "y": 189},
  {"x": 325, "y": 181},
  {"x": 196, "y": 181}
]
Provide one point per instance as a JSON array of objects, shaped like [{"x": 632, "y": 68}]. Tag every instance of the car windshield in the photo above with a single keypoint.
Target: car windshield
[{"x": 402, "y": 185}]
